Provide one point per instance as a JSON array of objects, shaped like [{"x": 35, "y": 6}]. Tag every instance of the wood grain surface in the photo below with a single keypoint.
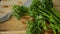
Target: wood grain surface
[
  {"x": 13, "y": 25},
  {"x": 16, "y": 25}
]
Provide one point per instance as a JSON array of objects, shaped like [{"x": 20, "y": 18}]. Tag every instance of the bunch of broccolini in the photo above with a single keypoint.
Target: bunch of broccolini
[{"x": 40, "y": 10}]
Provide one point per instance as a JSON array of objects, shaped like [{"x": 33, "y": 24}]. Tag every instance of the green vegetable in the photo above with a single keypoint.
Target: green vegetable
[
  {"x": 54, "y": 15},
  {"x": 37, "y": 26},
  {"x": 40, "y": 10},
  {"x": 20, "y": 11}
]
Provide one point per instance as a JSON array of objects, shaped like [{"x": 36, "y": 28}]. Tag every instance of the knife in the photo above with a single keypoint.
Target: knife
[{"x": 5, "y": 17}]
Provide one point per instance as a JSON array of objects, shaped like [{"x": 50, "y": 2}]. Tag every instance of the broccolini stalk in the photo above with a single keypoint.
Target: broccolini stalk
[
  {"x": 34, "y": 7},
  {"x": 20, "y": 11},
  {"x": 36, "y": 26},
  {"x": 53, "y": 28},
  {"x": 53, "y": 12},
  {"x": 49, "y": 6}
]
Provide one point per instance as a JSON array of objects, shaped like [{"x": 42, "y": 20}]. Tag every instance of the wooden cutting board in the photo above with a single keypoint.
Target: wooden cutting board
[
  {"x": 16, "y": 25},
  {"x": 13, "y": 25}
]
